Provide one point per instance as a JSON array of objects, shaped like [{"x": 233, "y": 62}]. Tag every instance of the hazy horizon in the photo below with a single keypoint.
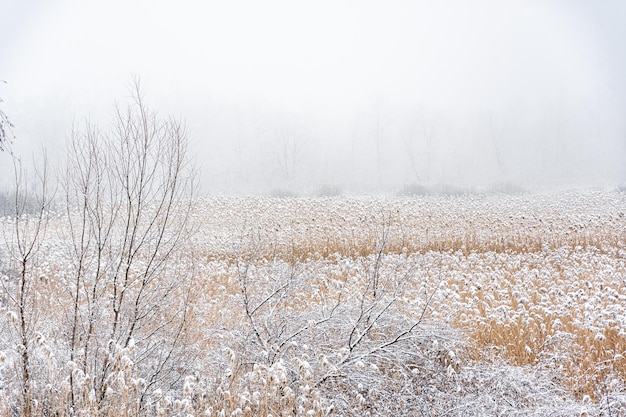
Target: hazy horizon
[{"x": 347, "y": 96}]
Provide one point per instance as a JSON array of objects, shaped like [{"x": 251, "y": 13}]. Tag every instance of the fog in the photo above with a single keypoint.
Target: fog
[{"x": 305, "y": 98}]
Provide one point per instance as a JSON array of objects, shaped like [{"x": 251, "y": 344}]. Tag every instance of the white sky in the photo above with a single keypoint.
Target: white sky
[{"x": 328, "y": 67}]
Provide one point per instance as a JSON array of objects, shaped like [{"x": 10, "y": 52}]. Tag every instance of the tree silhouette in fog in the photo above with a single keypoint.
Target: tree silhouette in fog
[{"x": 5, "y": 127}]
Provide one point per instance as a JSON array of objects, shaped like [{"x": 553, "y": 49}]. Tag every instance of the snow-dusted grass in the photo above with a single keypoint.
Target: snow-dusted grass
[{"x": 462, "y": 306}]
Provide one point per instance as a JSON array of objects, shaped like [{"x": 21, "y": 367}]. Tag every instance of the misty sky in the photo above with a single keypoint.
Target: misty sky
[{"x": 359, "y": 95}]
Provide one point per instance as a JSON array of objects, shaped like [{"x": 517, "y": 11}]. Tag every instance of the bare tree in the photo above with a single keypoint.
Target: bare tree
[
  {"x": 5, "y": 127},
  {"x": 289, "y": 149},
  {"x": 496, "y": 134},
  {"x": 377, "y": 130},
  {"x": 29, "y": 219},
  {"x": 128, "y": 201},
  {"x": 429, "y": 131}
]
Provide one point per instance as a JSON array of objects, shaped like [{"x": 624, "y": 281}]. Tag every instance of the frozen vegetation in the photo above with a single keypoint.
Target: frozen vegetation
[
  {"x": 124, "y": 294},
  {"x": 436, "y": 306}
]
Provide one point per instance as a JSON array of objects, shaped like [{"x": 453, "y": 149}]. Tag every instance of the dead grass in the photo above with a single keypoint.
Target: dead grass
[
  {"x": 567, "y": 323},
  {"x": 582, "y": 357},
  {"x": 585, "y": 361},
  {"x": 533, "y": 285}
]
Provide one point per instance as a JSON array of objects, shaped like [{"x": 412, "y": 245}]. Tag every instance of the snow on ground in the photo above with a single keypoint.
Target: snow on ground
[{"x": 465, "y": 305}]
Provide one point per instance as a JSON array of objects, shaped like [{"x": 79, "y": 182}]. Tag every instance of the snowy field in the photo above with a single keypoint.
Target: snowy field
[{"x": 475, "y": 305}]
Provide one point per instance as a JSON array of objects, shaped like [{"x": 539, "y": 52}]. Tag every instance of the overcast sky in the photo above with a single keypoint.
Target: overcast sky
[{"x": 359, "y": 95}]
